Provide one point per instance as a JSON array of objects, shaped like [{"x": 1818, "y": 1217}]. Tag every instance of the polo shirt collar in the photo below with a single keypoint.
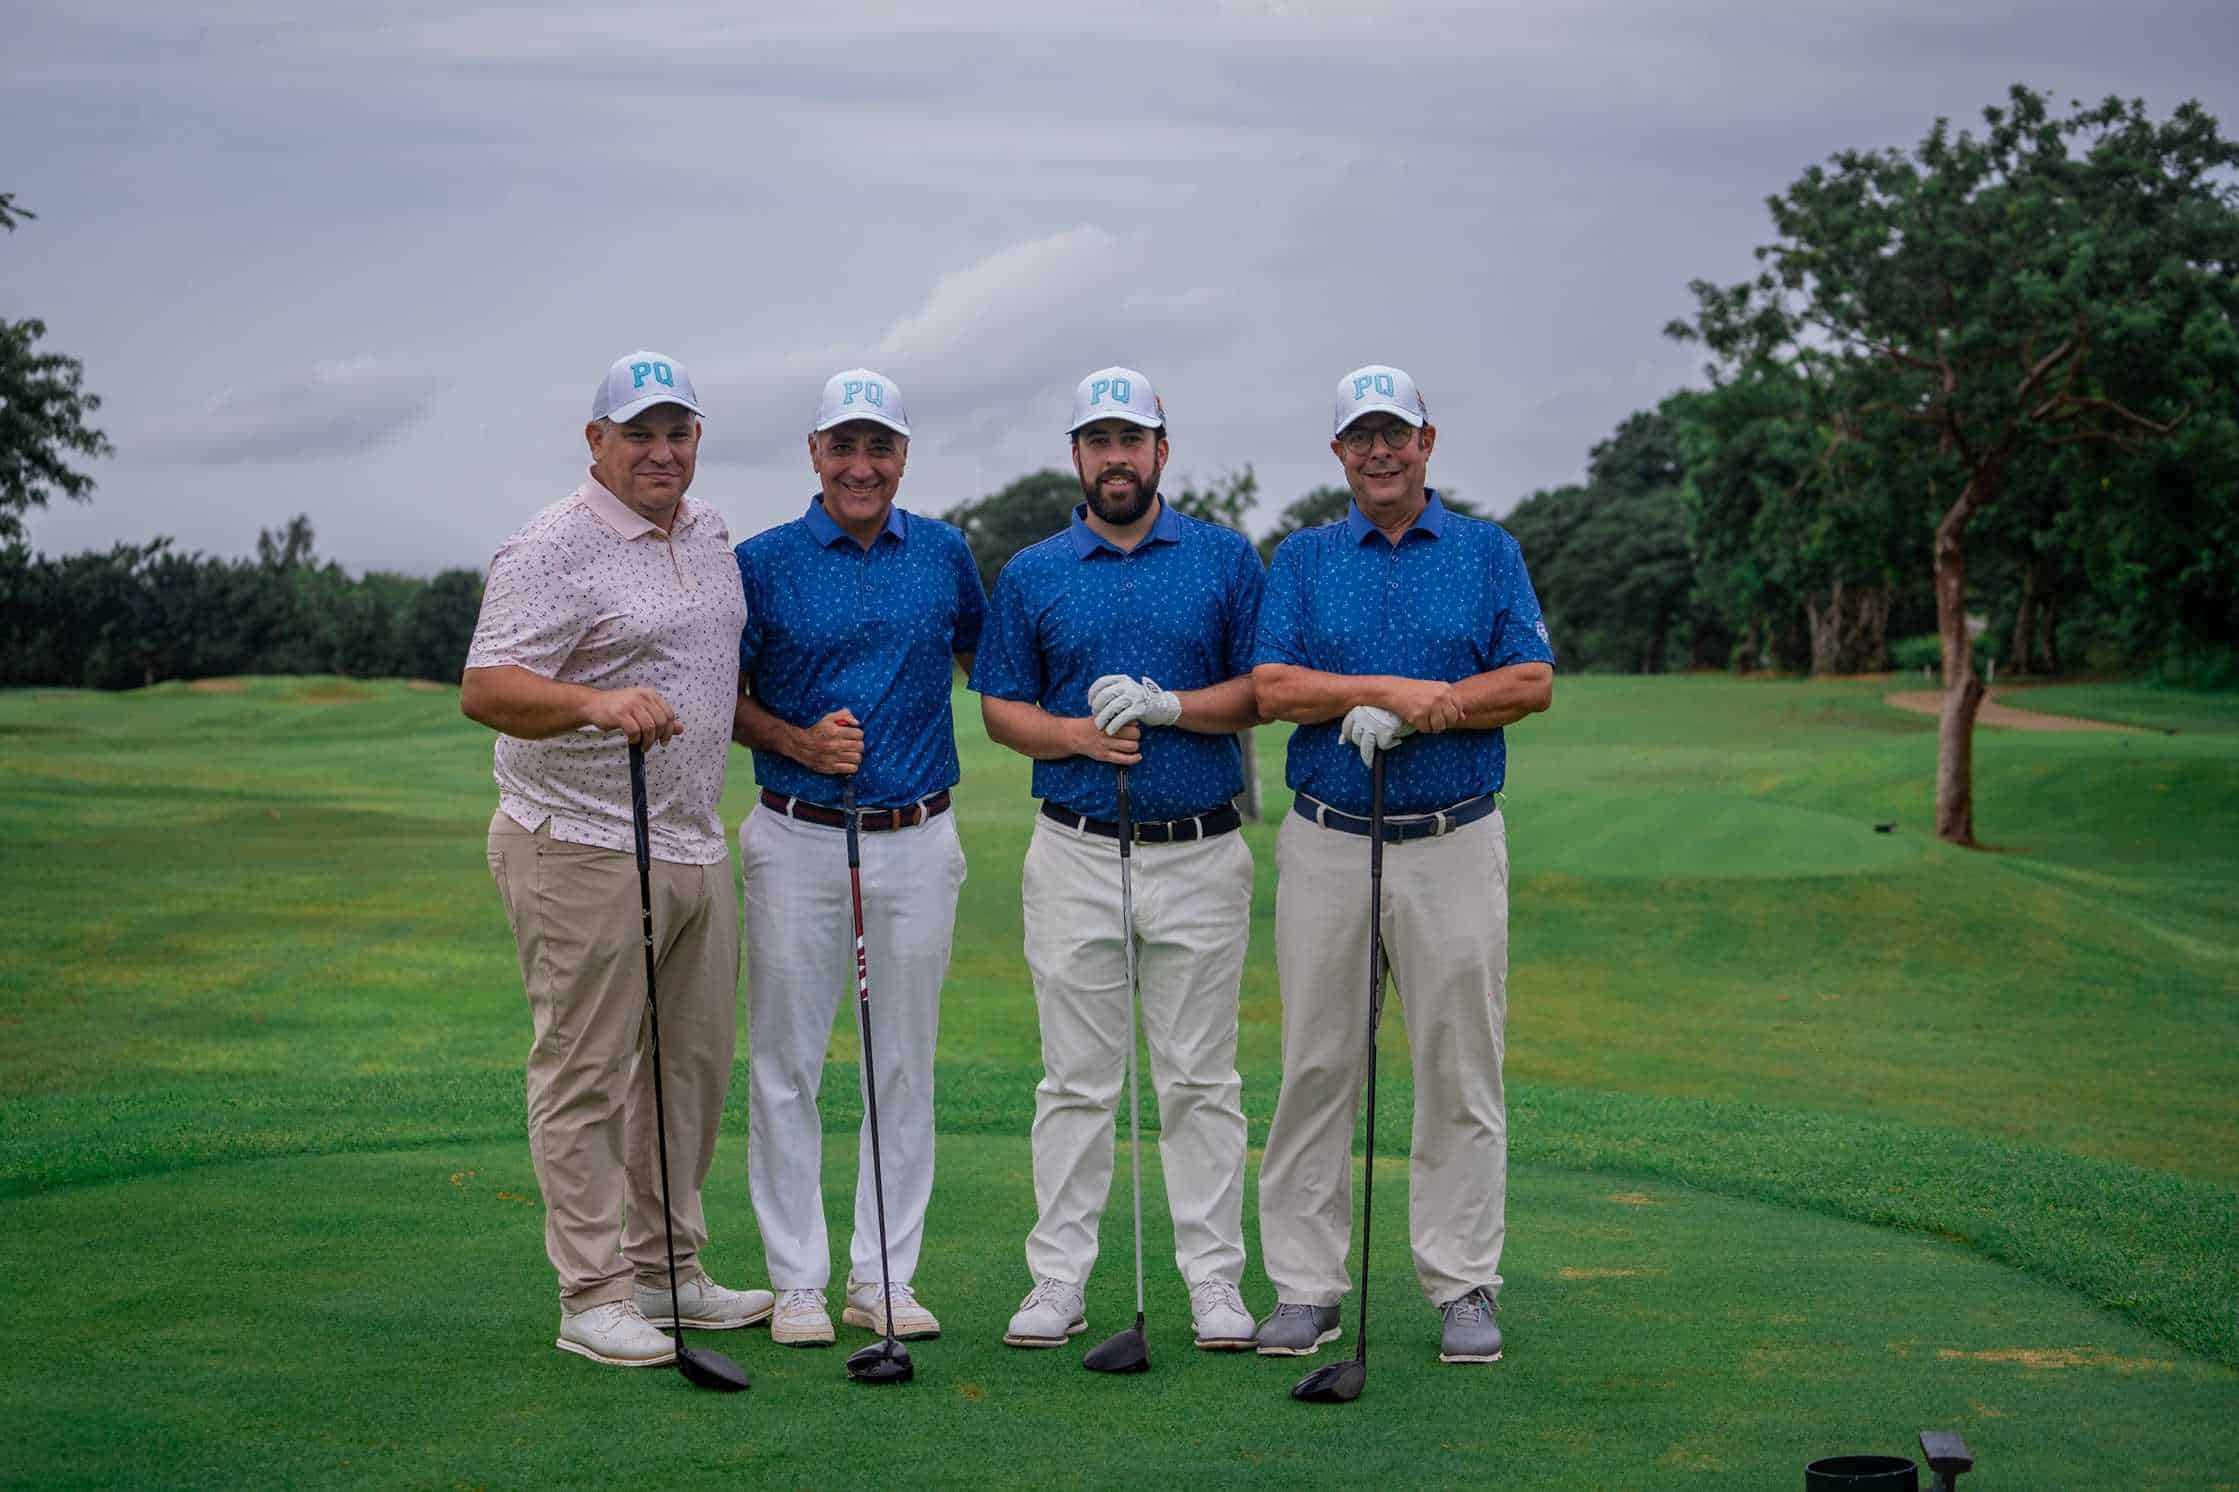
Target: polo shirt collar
[
  {"x": 1431, "y": 521},
  {"x": 828, "y": 532},
  {"x": 1166, "y": 528},
  {"x": 626, "y": 521}
]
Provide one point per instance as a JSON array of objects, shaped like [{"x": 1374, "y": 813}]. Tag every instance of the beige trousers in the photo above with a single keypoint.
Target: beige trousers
[
  {"x": 1193, "y": 912},
  {"x": 578, "y": 927},
  {"x": 1446, "y": 937}
]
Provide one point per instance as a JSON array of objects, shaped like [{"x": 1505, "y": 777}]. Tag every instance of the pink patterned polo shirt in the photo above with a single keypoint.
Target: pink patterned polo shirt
[{"x": 589, "y": 592}]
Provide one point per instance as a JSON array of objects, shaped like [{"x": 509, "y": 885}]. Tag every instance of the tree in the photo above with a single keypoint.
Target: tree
[
  {"x": 2049, "y": 283},
  {"x": 43, "y": 411},
  {"x": 1226, "y": 502},
  {"x": 1027, "y": 511}
]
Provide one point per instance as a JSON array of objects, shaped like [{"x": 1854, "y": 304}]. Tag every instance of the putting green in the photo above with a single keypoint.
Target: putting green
[{"x": 387, "y": 1318}]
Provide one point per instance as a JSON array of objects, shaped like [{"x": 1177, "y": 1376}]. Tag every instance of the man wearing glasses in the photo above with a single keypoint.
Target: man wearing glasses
[{"x": 1410, "y": 629}]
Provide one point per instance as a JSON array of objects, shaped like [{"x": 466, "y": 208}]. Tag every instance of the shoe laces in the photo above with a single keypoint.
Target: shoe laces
[
  {"x": 903, "y": 1294},
  {"x": 788, "y": 1300},
  {"x": 1212, "y": 1295},
  {"x": 1469, "y": 1309},
  {"x": 1293, "y": 1308},
  {"x": 606, "y": 1317},
  {"x": 1046, "y": 1292}
]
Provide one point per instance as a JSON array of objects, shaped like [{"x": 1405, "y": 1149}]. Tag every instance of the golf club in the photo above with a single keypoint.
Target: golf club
[
  {"x": 701, "y": 1368},
  {"x": 1341, "y": 1383},
  {"x": 887, "y": 1361},
  {"x": 1128, "y": 1351}
]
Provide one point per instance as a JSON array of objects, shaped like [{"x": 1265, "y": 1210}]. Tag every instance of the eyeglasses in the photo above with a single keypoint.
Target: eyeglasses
[{"x": 1361, "y": 439}]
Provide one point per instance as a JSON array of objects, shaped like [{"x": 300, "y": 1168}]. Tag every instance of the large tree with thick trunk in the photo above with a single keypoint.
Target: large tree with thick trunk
[{"x": 1988, "y": 298}]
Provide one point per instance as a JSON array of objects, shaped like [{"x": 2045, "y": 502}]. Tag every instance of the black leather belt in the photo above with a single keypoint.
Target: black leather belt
[
  {"x": 1398, "y": 830},
  {"x": 869, "y": 820},
  {"x": 1166, "y": 831}
]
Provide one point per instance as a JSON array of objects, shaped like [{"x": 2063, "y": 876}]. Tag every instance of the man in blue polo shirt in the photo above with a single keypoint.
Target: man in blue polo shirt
[
  {"x": 1125, "y": 641},
  {"x": 853, "y": 613},
  {"x": 1408, "y": 629}
]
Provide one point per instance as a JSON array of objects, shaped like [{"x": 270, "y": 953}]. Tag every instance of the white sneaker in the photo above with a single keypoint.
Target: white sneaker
[
  {"x": 800, "y": 1319},
  {"x": 707, "y": 1306},
  {"x": 1050, "y": 1313},
  {"x": 912, "y": 1322},
  {"x": 616, "y": 1334},
  {"x": 1217, "y": 1310}
]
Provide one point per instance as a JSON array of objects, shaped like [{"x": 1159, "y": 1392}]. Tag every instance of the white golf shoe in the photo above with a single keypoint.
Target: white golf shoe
[
  {"x": 1217, "y": 1311},
  {"x": 1050, "y": 1313},
  {"x": 707, "y": 1306},
  {"x": 800, "y": 1319},
  {"x": 616, "y": 1334},
  {"x": 865, "y": 1308}
]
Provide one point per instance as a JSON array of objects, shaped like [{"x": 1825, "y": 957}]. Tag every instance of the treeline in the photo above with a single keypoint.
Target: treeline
[{"x": 139, "y": 614}]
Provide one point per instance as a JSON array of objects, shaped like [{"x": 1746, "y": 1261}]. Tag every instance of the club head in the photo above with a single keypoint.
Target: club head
[
  {"x": 704, "y": 1369},
  {"x": 885, "y": 1361},
  {"x": 1339, "y": 1383},
  {"x": 1121, "y": 1352}
]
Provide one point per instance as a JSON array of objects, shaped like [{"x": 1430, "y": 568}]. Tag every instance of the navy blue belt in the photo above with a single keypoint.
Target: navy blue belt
[{"x": 1398, "y": 830}]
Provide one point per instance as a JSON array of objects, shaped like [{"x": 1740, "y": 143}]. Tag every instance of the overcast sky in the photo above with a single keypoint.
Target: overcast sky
[{"x": 368, "y": 262}]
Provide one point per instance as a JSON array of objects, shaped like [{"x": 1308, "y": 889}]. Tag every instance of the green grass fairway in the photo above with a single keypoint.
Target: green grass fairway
[{"x": 1821, "y": 1136}]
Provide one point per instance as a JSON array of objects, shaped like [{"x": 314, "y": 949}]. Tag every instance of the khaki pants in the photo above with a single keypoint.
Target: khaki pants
[
  {"x": 1446, "y": 937},
  {"x": 580, "y": 933},
  {"x": 1193, "y": 913}
]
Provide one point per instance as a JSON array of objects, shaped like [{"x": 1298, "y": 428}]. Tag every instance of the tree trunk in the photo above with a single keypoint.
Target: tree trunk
[
  {"x": 2021, "y": 656},
  {"x": 1850, "y": 633},
  {"x": 2048, "y": 633},
  {"x": 1955, "y": 734}
]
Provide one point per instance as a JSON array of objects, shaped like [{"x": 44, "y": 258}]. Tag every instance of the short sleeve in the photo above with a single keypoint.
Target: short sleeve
[
  {"x": 1007, "y": 664},
  {"x": 1247, "y": 584},
  {"x": 1280, "y": 635},
  {"x": 752, "y": 635},
  {"x": 1520, "y": 630},
  {"x": 532, "y": 616},
  {"x": 971, "y": 599}
]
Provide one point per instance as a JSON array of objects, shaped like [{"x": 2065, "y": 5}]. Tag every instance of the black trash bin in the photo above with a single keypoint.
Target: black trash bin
[{"x": 1862, "y": 1474}]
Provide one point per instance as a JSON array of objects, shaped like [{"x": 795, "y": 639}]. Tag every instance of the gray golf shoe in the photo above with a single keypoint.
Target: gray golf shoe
[
  {"x": 1472, "y": 1332},
  {"x": 1297, "y": 1330}
]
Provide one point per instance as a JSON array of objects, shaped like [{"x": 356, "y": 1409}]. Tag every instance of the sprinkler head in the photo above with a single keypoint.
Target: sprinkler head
[
  {"x": 1339, "y": 1383},
  {"x": 881, "y": 1362},
  {"x": 1121, "y": 1352}
]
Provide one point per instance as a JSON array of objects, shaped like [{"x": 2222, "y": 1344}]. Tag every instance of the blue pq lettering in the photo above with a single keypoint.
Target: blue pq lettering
[
  {"x": 849, "y": 390},
  {"x": 639, "y": 372},
  {"x": 664, "y": 375},
  {"x": 1097, "y": 390}
]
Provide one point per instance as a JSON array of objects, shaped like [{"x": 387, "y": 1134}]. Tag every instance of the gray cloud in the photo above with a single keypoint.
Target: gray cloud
[{"x": 328, "y": 409}]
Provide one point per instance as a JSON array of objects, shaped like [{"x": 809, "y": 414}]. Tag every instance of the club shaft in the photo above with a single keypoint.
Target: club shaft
[
  {"x": 863, "y": 1023},
  {"x": 653, "y": 1025},
  {"x": 1134, "y": 1103},
  {"x": 1375, "y": 1010}
]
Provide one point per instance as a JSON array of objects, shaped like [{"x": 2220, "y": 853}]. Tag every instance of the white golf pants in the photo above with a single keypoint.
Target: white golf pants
[
  {"x": 1446, "y": 936},
  {"x": 1193, "y": 907},
  {"x": 800, "y": 958}
]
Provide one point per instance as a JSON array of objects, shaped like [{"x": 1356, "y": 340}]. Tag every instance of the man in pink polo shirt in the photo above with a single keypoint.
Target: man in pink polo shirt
[{"x": 613, "y": 617}]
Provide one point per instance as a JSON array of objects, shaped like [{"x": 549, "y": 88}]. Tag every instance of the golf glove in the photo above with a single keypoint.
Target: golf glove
[
  {"x": 1117, "y": 700},
  {"x": 1372, "y": 730}
]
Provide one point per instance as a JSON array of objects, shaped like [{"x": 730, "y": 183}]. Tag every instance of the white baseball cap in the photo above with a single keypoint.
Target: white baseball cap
[
  {"x": 638, "y": 382},
  {"x": 860, "y": 394},
  {"x": 1377, "y": 389},
  {"x": 1116, "y": 394}
]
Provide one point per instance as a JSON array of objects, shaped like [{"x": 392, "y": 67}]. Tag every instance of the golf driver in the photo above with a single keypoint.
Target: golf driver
[
  {"x": 1341, "y": 1383},
  {"x": 1128, "y": 1351},
  {"x": 887, "y": 1361},
  {"x": 700, "y": 1367}
]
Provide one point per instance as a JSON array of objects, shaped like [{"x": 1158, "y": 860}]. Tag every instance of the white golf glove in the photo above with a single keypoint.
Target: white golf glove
[
  {"x": 1117, "y": 700},
  {"x": 1372, "y": 730}
]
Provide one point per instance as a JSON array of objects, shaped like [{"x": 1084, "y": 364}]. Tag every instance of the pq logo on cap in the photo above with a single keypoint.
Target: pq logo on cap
[
  {"x": 1121, "y": 390},
  {"x": 660, "y": 373},
  {"x": 869, "y": 390},
  {"x": 1380, "y": 382}
]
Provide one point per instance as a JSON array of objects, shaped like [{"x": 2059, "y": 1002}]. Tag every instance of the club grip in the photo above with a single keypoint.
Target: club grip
[
  {"x": 1126, "y": 816},
  {"x": 847, "y": 811},
  {"x": 637, "y": 805}
]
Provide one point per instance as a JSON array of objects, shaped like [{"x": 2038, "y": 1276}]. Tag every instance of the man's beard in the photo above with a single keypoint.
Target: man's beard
[{"x": 1121, "y": 507}]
